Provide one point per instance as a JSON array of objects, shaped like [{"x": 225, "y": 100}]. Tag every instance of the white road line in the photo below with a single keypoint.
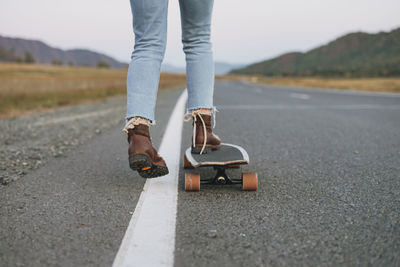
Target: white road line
[
  {"x": 310, "y": 107},
  {"x": 347, "y": 92},
  {"x": 326, "y": 90},
  {"x": 150, "y": 237},
  {"x": 300, "y": 96}
]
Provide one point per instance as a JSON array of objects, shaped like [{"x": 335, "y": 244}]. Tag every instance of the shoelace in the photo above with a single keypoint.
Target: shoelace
[{"x": 194, "y": 115}]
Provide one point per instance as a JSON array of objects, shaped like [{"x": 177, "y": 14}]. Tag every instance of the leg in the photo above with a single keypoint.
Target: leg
[
  {"x": 196, "y": 29},
  {"x": 150, "y": 28}
]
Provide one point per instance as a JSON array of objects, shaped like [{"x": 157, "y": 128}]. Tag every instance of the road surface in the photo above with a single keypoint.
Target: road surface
[{"x": 329, "y": 188}]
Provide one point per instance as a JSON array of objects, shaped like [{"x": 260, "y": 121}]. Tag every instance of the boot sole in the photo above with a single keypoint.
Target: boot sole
[
  {"x": 143, "y": 165},
  {"x": 207, "y": 149}
]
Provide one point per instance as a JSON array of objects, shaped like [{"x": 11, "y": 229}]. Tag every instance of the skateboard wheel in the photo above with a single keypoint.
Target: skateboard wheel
[
  {"x": 192, "y": 182},
  {"x": 249, "y": 181},
  {"x": 186, "y": 163}
]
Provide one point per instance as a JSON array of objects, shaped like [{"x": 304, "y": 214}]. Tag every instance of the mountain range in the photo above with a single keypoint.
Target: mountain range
[
  {"x": 16, "y": 48},
  {"x": 356, "y": 54}
]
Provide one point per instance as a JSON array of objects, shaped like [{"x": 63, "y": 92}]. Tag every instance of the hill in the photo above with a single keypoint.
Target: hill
[
  {"x": 222, "y": 68},
  {"x": 353, "y": 55},
  {"x": 15, "y": 49}
]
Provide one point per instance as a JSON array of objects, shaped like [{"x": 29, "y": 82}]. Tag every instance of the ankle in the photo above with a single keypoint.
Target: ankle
[
  {"x": 203, "y": 111},
  {"x": 134, "y": 121}
]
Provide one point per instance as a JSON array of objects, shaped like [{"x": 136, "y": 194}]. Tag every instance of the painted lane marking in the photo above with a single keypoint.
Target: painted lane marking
[
  {"x": 300, "y": 96},
  {"x": 347, "y": 92},
  {"x": 325, "y": 90},
  {"x": 309, "y": 107},
  {"x": 150, "y": 237}
]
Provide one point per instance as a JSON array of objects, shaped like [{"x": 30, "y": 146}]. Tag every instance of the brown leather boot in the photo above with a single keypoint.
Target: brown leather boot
[
  {"x": 203, "y": 139},
  {"x": 143, "y": 157}
]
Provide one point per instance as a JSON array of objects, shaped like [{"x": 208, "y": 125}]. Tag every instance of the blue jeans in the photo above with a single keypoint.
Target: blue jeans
[{"x": 150, "y": 28}]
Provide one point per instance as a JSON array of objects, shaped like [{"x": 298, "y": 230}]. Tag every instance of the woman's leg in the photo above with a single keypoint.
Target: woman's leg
[
  {"x": 196, "y": 30},
  {"x": 150, "y": 28}
]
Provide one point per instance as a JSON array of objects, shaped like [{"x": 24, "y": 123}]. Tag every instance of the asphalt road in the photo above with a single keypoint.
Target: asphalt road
[{"x": 329, "y": 188}]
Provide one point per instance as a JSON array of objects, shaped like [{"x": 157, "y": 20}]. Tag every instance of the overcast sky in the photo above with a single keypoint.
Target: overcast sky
[{"x": 244, "y": 31}]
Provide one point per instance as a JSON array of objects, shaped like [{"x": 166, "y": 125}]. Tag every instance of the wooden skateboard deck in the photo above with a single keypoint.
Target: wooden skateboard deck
[
  {"x": 225, "y": 157},
  {"x": 227, "y": 154}
]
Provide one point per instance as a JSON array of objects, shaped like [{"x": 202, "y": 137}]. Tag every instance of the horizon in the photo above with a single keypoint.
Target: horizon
[
  {"x": 233, "y": 42},
  {"x": 216, "y": 61}
]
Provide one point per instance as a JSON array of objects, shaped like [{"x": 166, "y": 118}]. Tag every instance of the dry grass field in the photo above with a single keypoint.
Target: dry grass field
[
  {"x": 30, "y": 87},
  {"x": 360, "y": 84}
]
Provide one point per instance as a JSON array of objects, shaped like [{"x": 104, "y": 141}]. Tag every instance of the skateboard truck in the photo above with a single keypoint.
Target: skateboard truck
[
  {"x": 249, "y": 181},
  {"x": 221, "y": 177},
  {"x": 227, "y": 157}
]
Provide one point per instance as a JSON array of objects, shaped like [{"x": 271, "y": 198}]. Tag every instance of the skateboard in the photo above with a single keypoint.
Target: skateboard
[{"x": 226, "y": 157}]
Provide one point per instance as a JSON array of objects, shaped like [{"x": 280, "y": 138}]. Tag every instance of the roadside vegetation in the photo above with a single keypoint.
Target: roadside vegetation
[
  {"x": 386, "y": 85},
  {"x": 30, "y": 87}
]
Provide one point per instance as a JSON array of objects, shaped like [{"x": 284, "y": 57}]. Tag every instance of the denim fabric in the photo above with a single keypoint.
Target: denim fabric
[{"x": 150, "y": 29}]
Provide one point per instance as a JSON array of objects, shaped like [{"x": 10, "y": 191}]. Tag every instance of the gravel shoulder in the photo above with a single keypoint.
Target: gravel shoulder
[{"x": 28, "y": 142}]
